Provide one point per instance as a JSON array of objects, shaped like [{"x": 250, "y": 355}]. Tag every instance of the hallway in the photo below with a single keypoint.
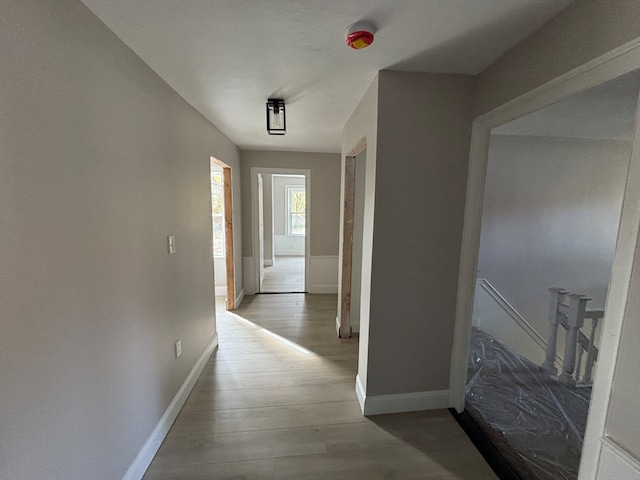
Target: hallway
[
  {"x": 277, "y": 400},
  {"x": 286, "y": 275}
]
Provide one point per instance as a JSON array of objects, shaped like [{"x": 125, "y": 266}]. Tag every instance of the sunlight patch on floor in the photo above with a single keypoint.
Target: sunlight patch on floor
[{"x": 283, "y": 340}]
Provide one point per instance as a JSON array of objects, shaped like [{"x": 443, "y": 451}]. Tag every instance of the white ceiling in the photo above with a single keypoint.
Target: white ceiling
[
  {"x": 226, "y": 57},
  {"x": 607, "y": 111}
]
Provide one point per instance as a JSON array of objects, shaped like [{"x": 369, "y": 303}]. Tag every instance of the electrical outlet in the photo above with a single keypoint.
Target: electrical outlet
[{"x": 178, "y": 348}]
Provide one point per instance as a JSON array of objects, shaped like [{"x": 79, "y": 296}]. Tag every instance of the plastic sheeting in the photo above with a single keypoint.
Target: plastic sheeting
[{"x": 536, "y": 422}]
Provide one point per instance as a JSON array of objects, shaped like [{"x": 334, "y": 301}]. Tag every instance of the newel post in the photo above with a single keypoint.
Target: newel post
[
  {"x": 549, "y": 365},
  {"x": 575, "y": 320}
]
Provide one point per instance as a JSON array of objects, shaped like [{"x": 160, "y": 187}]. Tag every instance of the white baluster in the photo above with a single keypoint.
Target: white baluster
[
  {"x": 549, "y": 364},
  {"x": 579, "y": 364}
]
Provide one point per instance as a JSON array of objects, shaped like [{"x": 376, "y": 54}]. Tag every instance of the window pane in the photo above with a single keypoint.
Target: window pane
[
  {"x": 217, "y": 210},
  {"x": 297, "y": 201},
  {"x": 218, "y": 236},
  {"x": 216, "y": 193},
  {"x": 296, "y": 210},
  {"x": 297, "y": 224}
]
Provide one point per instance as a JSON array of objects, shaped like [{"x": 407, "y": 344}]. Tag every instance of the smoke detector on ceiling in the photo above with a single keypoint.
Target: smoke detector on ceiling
[{"x": 360, "y": 35}]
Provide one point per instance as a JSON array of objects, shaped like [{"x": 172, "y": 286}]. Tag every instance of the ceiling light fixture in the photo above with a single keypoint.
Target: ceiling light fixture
[
  {"x": 276, "y": 118},
  {"x": 360, "y": 35}
]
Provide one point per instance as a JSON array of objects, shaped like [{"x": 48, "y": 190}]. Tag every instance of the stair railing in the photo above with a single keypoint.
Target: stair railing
[{"x": 569, "y": 310}]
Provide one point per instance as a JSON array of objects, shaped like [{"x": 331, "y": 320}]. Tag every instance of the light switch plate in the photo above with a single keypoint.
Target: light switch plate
[
  {"x": 178, "y": 348},
  {"x": 171, "y": 244}
]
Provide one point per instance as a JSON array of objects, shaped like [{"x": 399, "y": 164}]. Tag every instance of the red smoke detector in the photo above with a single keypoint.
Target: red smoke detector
[{"x": 360, "y": 35}]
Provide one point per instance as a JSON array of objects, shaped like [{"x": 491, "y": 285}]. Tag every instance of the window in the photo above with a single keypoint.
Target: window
[
  {"x": 296, "y": 210},
  {"x": 217, "y": 211}
]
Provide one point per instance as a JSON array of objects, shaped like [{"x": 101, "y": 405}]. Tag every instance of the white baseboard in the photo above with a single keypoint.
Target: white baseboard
[
  {"x": 400, "y": 402},
  {"x": 221, "y": 290},
  {"x": 142, "y": 461},
  {"x": 323, "y": 289},
  {"x": 295, "y": 252},
  {"x": 359, "y": 389},
  {"x": 287, "y": 245},
  {"x": 616, "y": 462},
  {"x": 323, "y": 274}
]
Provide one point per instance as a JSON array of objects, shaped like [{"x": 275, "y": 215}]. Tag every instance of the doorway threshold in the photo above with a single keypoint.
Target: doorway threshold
[{"x": 278, "y": 293}]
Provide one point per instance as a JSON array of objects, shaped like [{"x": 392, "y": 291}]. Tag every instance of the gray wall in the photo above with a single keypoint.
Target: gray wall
[
  {"x": 100, "y": 161},
  {"x": 360, "y": 129},
  {"x": 358, "y": 233},
  {"x": 550, "y": 218},
  {"x": 233, "y": 161},
  {"x": 424, "y": 128},
  {"x": 583, "y": 31},
  {"x": 325, "y": 189},
  {"x": 267, "y": 192}
]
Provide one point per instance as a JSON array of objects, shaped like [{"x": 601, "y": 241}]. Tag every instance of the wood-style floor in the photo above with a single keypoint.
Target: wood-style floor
[
  {"x": 284, "y": 276},
  {"x": 277, "y": 401}
]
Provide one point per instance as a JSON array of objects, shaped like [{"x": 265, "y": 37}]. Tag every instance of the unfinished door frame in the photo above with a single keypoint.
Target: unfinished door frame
[
  {"x": 254, "y": 218},
  {"x": 622, "y": 60},
  {"x": 227, "y": 187},
  {"x": 344, "y": 329},
  {"x": 344, "y": 318}
]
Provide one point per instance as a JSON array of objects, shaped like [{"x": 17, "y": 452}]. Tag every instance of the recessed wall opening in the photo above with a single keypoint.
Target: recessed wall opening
[{"x": 555, "y": 184}]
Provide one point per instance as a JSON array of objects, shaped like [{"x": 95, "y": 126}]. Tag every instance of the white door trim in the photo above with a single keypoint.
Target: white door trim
[
  {"x": 254, "y": 218},
  {"x": 606, "y": 67}
]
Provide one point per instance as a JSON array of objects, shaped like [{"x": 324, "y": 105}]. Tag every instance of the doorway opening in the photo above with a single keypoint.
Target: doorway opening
[
  {"x": 222, "y": 225},
  {"x": 551, "y": 207},
  {"x": 285, "y": 246},
  {"x": 281, "y": 220},
  {"x": 353, "y": 226}
]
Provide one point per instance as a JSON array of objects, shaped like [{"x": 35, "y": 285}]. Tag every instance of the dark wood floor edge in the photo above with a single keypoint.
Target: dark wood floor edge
[{"x": 494, "y": 458}]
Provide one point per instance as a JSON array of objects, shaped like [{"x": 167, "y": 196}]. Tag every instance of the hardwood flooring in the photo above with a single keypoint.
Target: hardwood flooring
[
  {"x": 277, "y": 401},
  {"x": 286, "y": 275}
]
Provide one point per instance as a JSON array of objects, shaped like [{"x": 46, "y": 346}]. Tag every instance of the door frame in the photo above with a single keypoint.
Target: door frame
[
  {"x": 602, "y": 69},
  {"x": 227, "y": 180},
  {"x": 343, "y": 320},
  {"x": 260, "y": 230},
  {"x": 344, "y": 327},
  {"x": 254, "y": 218}
]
